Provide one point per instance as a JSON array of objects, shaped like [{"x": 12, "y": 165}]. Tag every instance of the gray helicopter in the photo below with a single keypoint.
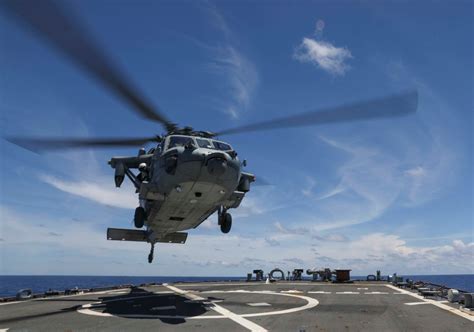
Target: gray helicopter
[{"x": 188, "y": 175}]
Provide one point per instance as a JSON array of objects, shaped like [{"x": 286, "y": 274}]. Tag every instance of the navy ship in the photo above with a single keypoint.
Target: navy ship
[{"x": 329, "y": 302}]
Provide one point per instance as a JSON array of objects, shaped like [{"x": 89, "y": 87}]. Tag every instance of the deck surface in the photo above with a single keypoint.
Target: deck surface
[{"x": 234, "y": 306}]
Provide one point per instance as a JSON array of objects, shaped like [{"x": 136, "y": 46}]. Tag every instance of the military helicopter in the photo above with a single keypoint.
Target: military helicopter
[{"x": 189, "y": 174}]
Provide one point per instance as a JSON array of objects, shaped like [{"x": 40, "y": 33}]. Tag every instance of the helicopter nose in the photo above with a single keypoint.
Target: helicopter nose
[{"x": 216, "y": 166}]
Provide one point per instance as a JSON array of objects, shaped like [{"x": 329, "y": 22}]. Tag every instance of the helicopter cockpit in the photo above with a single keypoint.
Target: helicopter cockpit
[{"x": 177, "y": 140}]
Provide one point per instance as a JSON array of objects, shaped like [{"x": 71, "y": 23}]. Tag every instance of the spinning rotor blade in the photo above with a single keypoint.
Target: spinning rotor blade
[
  {"x": 38, "y": 144},
  {"x": 64, "y": 31},
  {"x": 259, "y": 181},
  {"x": 391, "y": 106}
]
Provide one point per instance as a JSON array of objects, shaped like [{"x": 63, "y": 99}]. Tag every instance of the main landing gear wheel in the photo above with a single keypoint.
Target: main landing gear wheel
[
  {"x": 226, "y": 222},
  {"x": 150, "y": 255},
  {"x": 139, "y": 218}
]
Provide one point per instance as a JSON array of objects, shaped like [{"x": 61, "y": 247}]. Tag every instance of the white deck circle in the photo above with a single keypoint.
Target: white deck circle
[{"x": 311, "y": 303}]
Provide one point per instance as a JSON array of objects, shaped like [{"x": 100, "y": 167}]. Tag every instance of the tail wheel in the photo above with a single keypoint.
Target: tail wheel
[
  {"x": 226, "y": 223},
  {"x": 139, "y": 218}
]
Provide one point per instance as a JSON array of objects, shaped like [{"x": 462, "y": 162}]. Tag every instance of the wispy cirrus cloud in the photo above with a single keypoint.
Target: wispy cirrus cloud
[
  {"x": 98, "y": 191},
  {"x": 238, "y": 72},
  {"x": 240, "y": 77}
]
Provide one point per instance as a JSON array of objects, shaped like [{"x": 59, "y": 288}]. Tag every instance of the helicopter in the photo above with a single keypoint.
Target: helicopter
[{"x": 188, "y": 175}]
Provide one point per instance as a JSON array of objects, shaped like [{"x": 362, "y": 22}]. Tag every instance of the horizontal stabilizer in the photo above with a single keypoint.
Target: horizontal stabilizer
[{"x": 120, "y": 234}]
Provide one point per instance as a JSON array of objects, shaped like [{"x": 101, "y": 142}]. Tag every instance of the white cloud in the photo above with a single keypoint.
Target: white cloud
[
  {"x": 326, "y": 56},
  {"x": 99, "y": 191},
  {"x": 416, "y": 172},
  {"x": 289, "y": 230}
]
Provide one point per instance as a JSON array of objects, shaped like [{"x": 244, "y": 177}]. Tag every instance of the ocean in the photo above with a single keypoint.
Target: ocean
[{"x": 10, "y": 285}]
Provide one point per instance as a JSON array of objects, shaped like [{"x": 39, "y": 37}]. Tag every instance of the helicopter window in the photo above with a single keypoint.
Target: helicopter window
[
  {"x": 204, "y": 143},
  {"x": 176, "y": 141},
  {"x": 222, "y": 146}
]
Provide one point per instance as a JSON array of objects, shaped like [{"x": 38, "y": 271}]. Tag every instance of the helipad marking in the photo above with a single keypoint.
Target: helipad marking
[
  {"x": 373, "y": 293},
  {"x": 318, "y": 292},
  {"x": 238, "y": 319},
  {"x": 223, "y": 311},
  {"x": 435, "y": 303},
  {"x": 214, "y": 301},
  {"x": 347, "y": 293},
  {"x": 363, "y": 288},
  {"x": 416, "y": 303},
  {"x": 187, "y": 294},
  {"x": 13, "y": 302},
  {"x": 259, "y": 304},
  {"x": 291, "y": 291},
  {"x": 311, "y": 303}
]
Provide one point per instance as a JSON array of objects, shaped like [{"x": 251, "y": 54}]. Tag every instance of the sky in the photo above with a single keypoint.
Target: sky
[{"x": 394, "y": 195}]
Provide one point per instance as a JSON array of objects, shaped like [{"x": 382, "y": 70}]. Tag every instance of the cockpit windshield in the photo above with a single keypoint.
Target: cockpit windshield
[
  {"x": 204, "y": 143},
  {"x": 210, "y": 144},
  {"x": 177, "y": 141}
]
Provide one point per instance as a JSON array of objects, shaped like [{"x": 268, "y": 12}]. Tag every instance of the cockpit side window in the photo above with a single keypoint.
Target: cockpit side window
[
  {"x": 204, "y": 143},
  {"x": 222, "y": 146},
  {"x": 176, "y": 141}
]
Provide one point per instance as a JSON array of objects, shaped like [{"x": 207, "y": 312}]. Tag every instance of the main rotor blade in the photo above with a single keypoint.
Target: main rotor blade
[
  {"x": 391, "y": 106},
  {"x": 39, "y": 144},
  {"x": 64, "y": 31}
]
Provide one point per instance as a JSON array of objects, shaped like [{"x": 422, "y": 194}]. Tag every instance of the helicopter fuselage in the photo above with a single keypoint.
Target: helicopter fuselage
[{"x": 188, "y": 179}]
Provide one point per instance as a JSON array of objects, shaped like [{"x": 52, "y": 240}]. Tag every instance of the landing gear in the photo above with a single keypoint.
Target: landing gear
[
  {"x": 150, "y": 255},
  {"x": 225, "y": 221},
  {"x": 139, "y": 218}
]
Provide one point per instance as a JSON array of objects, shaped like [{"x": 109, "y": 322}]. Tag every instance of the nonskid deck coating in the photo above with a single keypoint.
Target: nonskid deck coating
[{"x": 233, "y": 306}]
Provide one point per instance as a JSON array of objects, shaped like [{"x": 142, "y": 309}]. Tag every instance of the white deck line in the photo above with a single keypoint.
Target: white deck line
[
  {"x": 238, "y": 319},
  {"x": 318, "y": 292},
  {"x": 259, "y": 304},
  {"x": 435, "y": 303},
  {"x": 223, "y": 311},
  {"x": 292, "y": 291},
  {"x": 86, "y": 308},
  {"x": 416, "y": 303}
]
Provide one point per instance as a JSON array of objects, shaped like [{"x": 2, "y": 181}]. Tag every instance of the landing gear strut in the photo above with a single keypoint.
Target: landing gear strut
[
  {"x": 225, "y": 221},
  {"x": 150, "y": 255}
]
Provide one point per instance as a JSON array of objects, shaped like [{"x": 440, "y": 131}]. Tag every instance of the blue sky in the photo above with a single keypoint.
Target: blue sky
[{"x": 394, "y": 195}]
